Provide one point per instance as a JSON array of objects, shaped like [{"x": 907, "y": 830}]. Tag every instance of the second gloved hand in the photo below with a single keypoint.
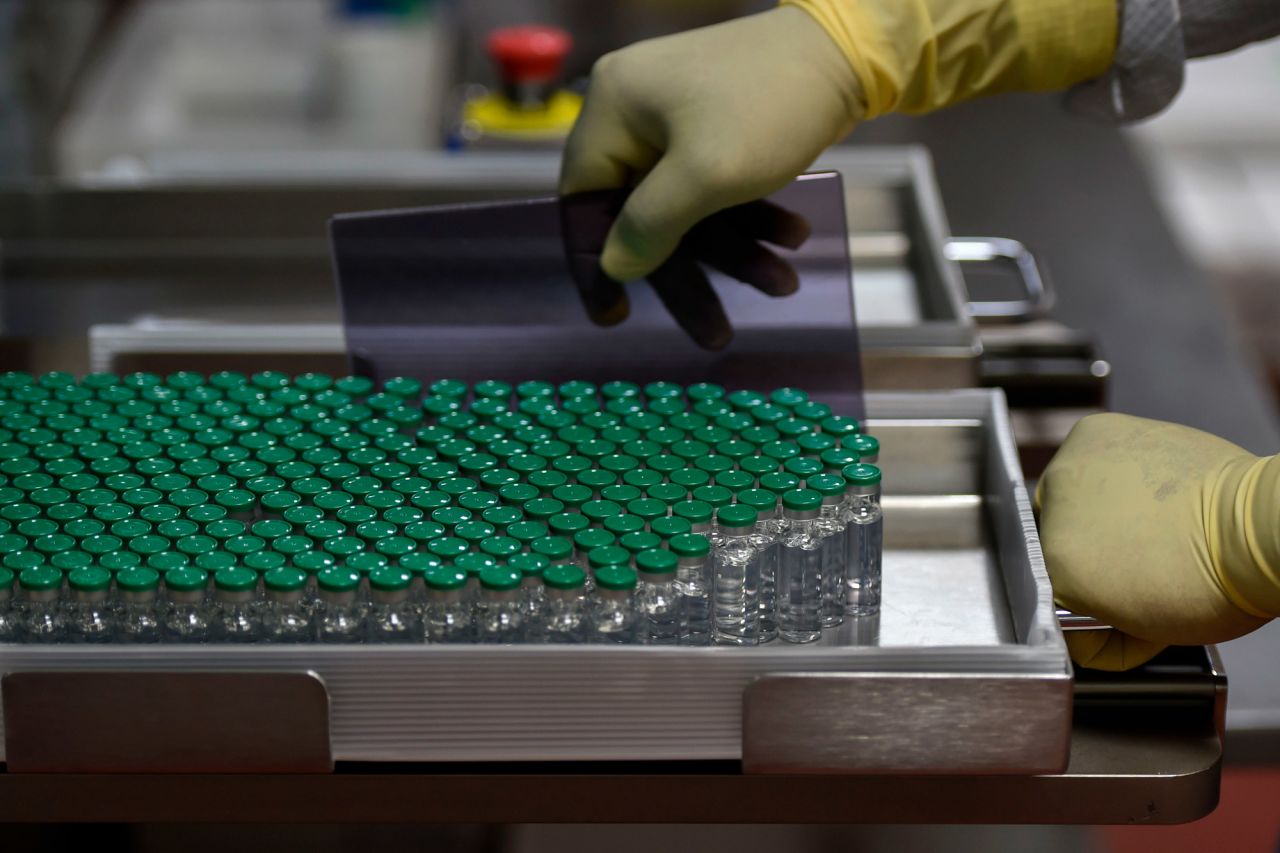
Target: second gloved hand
[{"x": 1167, "y": 533}]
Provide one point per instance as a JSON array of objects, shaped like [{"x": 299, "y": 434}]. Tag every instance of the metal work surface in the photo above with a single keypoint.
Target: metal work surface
[{"x": 1114, "y": 776}]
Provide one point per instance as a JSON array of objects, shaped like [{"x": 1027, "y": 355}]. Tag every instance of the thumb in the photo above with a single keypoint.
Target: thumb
[
  {"x": 670, "y": 200},
  {"x": 1110, "y": 650}
]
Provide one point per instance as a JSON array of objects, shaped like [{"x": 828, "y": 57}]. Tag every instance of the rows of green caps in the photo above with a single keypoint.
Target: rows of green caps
[{"x": 186, "y": 477}]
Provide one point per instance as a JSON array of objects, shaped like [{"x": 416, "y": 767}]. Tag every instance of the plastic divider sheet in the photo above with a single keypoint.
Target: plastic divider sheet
[{"x": 488, "y": 291}]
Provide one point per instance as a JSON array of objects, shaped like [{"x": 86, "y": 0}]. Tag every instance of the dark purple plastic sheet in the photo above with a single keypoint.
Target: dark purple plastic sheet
[{"x": 484, "y": 291}]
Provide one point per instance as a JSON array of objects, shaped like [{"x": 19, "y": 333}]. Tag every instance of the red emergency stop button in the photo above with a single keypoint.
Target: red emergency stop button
[{"x": 529, "y": 54}]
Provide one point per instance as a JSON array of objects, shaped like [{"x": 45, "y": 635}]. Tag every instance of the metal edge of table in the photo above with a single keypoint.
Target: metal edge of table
[{"x": 1126, "y": 775}]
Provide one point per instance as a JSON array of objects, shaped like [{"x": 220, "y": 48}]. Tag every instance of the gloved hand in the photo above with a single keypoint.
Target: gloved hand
[
  {"x": 715, "y": 117},
  {"x": 1167, "y": 533}
]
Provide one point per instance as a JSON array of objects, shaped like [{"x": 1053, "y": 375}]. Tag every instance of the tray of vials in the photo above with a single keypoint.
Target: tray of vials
[{"x": 534, "y": 570}]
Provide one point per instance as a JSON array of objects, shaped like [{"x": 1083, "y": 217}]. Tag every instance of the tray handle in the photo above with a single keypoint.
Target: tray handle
[{"x": 1005, "y": 252}]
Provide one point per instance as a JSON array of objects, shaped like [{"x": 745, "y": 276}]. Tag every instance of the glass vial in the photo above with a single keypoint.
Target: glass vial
[
  {"x": 392, "y": 616},
  {"x": 693, "y": 580},
  {"x": 286, "y": 615},
  {"x": 800, "y": 568},
  {"x": 613, "y": 607},
  {"x": 499, "y": 616},
  {"x": 236, "y": 617},
  {"x": 832, "y": 523},
  {"x": 185, "y": 618},
  {"x": 448, "y": 610},
  {"x": 339, "y": 616},
  {"x": 565, "y": 617},
  {"x": 41, "y": 617},
  {"x": 660, "y": 601},
  {"x": 864, "y": 539},
  {"x": 137, "y": 605},
  {"x": 735, "y": 581}
]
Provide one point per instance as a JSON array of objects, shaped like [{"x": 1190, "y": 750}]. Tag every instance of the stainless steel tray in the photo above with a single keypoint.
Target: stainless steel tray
[{"x": 965, "y": 670}]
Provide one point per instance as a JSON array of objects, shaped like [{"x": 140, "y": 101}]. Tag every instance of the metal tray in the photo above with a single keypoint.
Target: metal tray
[{"x": 965, "y": 669}]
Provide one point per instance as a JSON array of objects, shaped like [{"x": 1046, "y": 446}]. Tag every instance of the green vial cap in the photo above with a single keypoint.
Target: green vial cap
[
  {"x": 781, "y": 450},
  {"x": 565, "y": 577},
  {"x": 313, "y": 562},
  {"x": 617, "y": 578},
  {"x": 518, "y": 493},
  {"x": 540, "y": 509},
  {"x": 568, "y": 523},
  {"x": 448, "y": 547},
  {"x": 168, "y": 560},
  {"x": 546, "y": 482},
  {"x": 501, "y": 547},
  {"x": 336, "y": 579},
  {"x": 263, "y": 561},
  {"x": 642, "y": 478},
  {"x": 620, "y": 525},
  {"x": 284, "y": 580},
  {"x": 716, "y": 496},
  {"x": 867, "y": 446},
  {"x": 148, "y": 544},
  {"x": 836, "y": 458},
  {"x": 214, "y": 561},
  {"x": 779, "y": 482},
  {"x": 430, "y": 500},
  {"x": 303, "y": 515},
  {"x": 815, "y": 443},
  {"x": 592, "y": 538},
  {"x": 333, "y": 501},
  {"x": 802, "y": 500},
  {"x": 669, "y": 493},
  {"x": 473, "y": 531},
  {"x": 705, "y": 391},
  {"x": 244, "y": 544},
  {"x": 665, "y": 463},
  {"x": 761, "y": 500},
  {"x": 597, "y": 479},
  {"x": 693, "y": 511},
  {"x": 736, "y": 516},
  {"x": 235, "y": 579},
  {"x": 827, "y": 485},
  {"x": 656, "y": 562},
  {"x": 403, "y": 386},
  {"x": 712, "y": 434},
  {"x": 608, "y": 555},
  {"x": 554, "y": 548},
  {"x": 389, "y": 579},
  {"x": 419, "y": 563},
  {"x": 839, "y": 426},
  {"x": 690, "y": 545},
  {"x": 576, "y": 388},
  {"x": 572, "y": 495},
  {"x": 620, "y": 493},
  {"x": 140, "y": 579},
  {"x": 186, "y": 579},
  {"x": 666, "y": 436},
  {"x": 103, "y": 543},
  {"x": 478, "y": 501},
  {"x": 690, "y": 478},
  {"x": 89, "y": 579},
  {"x": 712, "y": 408},
  {"x": 395, "y": 546},
  {"x": 534, "y": 388},
  {"x": 647, "y": 508},
  {"x": 500, "y": 578},
  {"x": 451, "y": 515},
  {"x": 54, "y": 543},
  {"x": 670, "y": 526},
  {"x": 803, "y": 466},
  {"x": 859, "y": 474},
  {"x": 599, "y": 510},
  {"x": 619, "y": 389},
  {"x": 714, "y": 463},
  {"x": 343, "y": 546},
  {"x": 640, "y": 540},
  {"x": 445, "y": 578},
  {"x": 501, "y": 516},
  {"x": 619, "y": 463},
  {"x": 527, "y": 531},
  {"x": 735, "y": 481}
]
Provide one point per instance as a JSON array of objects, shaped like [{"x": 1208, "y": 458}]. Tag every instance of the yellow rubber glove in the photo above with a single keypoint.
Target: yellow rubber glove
[
  {"x": 715, "y": 117},
  {"x": 1170, "y": 534}
]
